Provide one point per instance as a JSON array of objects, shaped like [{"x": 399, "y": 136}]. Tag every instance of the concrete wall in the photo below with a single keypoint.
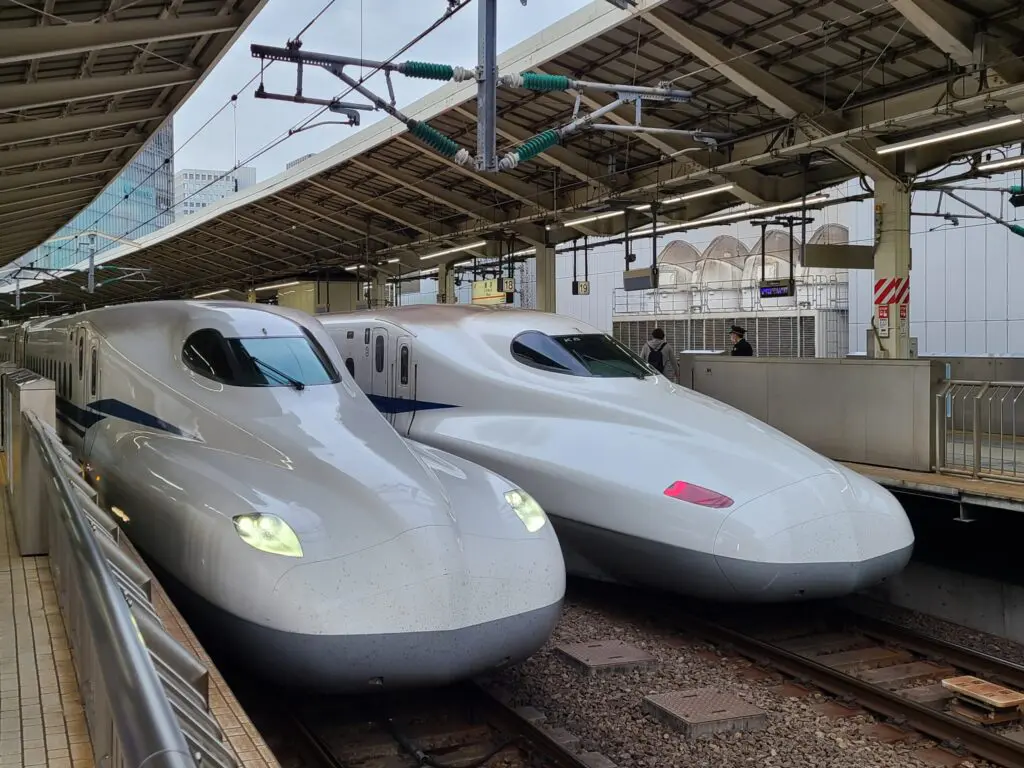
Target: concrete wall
[{"x": 832, "y": 406}]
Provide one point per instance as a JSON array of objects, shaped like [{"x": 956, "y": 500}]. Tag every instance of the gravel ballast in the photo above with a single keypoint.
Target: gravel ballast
[{"x": 606, "y": 712}]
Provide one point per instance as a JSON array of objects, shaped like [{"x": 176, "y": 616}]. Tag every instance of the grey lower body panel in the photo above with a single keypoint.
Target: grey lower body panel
[
  {"x": 599, "y": 553},
  {"x": 358, "y": 663}
]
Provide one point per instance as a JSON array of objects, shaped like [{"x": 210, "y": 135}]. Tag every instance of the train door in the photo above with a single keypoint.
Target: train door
[
  {"x": 380, "y": 380},
  {"x": 404, "y": 386}
]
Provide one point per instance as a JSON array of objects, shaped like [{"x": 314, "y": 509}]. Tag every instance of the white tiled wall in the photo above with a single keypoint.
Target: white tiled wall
[{"x": 967, "y": 284}]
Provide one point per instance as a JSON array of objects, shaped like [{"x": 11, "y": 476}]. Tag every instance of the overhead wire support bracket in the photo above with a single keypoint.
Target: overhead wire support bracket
[{"x": 433, "y": 138}]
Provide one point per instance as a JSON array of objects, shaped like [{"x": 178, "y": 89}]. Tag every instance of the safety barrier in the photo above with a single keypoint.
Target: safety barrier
[
  {"x": 976, "y": 430},
  {"x": 146, "y": 697}
]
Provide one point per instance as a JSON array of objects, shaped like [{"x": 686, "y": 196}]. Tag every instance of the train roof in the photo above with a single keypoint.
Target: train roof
[
  {"x": 231, "y": 318},
  {"x": 469, "y": 317}
]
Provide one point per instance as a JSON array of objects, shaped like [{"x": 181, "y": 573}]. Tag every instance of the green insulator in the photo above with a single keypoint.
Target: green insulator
[
  {"x": 1017, "y": 229},
  {"x": 428, "y": 71},
  {"x": 534, "y": 81},
  {"x": 1016, "y": 190},
  {"x": 433, "y": 138},
  {"x": 533, "y": 147}
]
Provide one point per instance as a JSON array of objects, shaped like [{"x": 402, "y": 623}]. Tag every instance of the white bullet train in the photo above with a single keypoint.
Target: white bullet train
[
  {"x": 246, "y": 464},
  {"x": 646, "y": 482}
]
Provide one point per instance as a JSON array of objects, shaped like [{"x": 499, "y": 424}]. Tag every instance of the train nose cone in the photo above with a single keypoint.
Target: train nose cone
[
  {"x": 825, "y": 536},
  {"x": 421, "y": 609}
]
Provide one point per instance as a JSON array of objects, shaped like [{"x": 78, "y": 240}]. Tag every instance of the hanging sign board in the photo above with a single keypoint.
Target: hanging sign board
[
  {"x": 489, "y": 292},
  {"x": 777, "y": 288},
  {"x": 883, "y": 321}
]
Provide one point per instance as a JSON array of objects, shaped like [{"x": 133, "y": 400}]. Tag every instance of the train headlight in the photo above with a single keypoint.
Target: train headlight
[
  {"x": 527, "y": 509},
  {"x": 268, "y": 533}
]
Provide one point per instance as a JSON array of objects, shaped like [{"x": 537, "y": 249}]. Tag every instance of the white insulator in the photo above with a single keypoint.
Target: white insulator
[
  {"x": 511, "y": 81},
  {"x": 460, "y": 74},
  {"x": 509, "y": 161},
  {"x": 462, "y": 157}
]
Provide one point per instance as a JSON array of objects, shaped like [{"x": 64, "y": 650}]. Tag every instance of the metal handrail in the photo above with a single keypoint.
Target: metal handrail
[
  {"x": 146, "y": 727},
  {"x": 954, "y": 391}
]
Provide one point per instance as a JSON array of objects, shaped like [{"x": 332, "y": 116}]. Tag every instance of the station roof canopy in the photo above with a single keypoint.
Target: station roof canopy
[
  {"x": 83, "y": 84},
  {"x": 810, "y": 91}
]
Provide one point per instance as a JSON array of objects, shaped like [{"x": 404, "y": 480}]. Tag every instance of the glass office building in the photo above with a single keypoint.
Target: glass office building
[{"x": 138, "y": 202}]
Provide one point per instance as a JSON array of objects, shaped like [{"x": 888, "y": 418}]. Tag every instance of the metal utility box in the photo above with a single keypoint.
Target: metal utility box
[{"x": 26, "y": 485}]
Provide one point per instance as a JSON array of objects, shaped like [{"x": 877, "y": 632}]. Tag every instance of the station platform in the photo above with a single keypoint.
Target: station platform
[
  {"x": 42, "y": 720},
  {"x": 981, "y": 492}
]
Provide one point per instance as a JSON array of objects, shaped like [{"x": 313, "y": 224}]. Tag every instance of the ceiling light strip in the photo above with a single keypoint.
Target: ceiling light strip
[
  {"x": 956, "y": 133},
  {"x": 737, "y": 216}
]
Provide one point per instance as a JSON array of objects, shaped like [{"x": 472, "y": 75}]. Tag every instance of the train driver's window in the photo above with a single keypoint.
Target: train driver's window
[
  {"x": 206, "y": 353},
  {"x": 538, "y": 350},
  {"x": 297, "y": 361}
]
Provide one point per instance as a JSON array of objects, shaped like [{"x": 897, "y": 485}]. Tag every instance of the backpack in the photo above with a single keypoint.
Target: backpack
[{"x": 656, "y": 359}]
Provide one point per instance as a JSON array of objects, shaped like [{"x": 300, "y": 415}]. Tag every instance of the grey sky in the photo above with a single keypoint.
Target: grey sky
[{"x": 374, "y": 29}]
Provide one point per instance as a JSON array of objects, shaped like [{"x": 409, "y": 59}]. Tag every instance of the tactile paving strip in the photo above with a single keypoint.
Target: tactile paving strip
[
  {"x": 606, "y": 656},
  {"x": 704, "y": 711}
]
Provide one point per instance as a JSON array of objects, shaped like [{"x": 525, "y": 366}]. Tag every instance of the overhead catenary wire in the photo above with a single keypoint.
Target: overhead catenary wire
[{"x": 267, "y": 147}]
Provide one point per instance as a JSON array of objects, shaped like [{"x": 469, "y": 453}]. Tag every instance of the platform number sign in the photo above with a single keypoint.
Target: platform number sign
[
  {"x": 580, "y": 287},
  {"x": 883, "y": 321},
  {"x": 508, "y": 285}
]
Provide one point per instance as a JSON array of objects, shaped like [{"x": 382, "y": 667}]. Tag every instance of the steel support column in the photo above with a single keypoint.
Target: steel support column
[
  {"x": 487, "y": 88},
  {"x": 891, "y": 313},
  {"x": 446, "y": 284},
  {"x": 546, "y": 280}
]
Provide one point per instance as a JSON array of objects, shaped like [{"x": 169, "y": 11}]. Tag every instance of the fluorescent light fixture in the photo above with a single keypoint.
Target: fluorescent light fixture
[
  {"x": 450, "y": 251},
  {"x": 646, "y": 206},
  {"x": 524, "y": 252},
  {"x": 587, "y": 219},
  {"x": 211, "y": 293},
  {"x": 353, "y": 268},
  {"x": 998, "y": 165},
  {"x": 723, "y": 218},
  {"x": 688, "y": 196},
  {"x": 393, "y": 261},
  {"x": 275, "y": 286},
  {"x": 956, "y": 133}
]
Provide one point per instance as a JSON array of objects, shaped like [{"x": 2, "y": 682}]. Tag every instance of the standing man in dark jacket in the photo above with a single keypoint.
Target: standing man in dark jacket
[
  {"x": 659, "y": 355},
  {"x": 740, "y": 346}
]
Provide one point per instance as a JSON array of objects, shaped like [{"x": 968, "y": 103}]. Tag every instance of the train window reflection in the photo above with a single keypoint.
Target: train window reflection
[
  {"x": 588, "y": 354},
  {"x": 258, "y": 362}
]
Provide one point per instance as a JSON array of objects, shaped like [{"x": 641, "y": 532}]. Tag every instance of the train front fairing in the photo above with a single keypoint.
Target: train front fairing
[
  {"x": 330, "y": 552},
  {"x": 647, "y": 482}
]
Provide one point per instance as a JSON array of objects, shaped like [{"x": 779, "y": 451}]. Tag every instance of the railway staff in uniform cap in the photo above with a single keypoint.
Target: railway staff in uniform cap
[{"x": 740, "y": 346}]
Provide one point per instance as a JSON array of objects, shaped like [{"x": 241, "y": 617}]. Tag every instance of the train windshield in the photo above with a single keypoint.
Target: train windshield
[
  {"x": 289, "y": 361},
  {"x": 587, "y": 354}
]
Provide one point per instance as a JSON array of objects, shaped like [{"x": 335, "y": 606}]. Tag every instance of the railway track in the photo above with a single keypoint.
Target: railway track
[
  {"x": 461, "y": 727},
  {"x": 891, "y": 671}
]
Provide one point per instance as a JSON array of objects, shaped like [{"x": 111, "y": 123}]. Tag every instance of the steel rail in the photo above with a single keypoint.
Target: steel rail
[
  {"x": 147, "y": 729},
  {"x": 992, "y": 667},
  {"x": 502, "y": 715},
  {"x": 939, "y": 725}
]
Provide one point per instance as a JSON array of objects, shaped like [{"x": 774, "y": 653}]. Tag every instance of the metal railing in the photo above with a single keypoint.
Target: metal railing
[
  {"x": 977, "y": 429},
  {"x": 146, "y": 697}
]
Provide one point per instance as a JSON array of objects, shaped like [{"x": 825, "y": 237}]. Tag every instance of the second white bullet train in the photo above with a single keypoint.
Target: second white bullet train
[
  {"x": 242, "y": 459},
  {"x": 646, "y": 482}
]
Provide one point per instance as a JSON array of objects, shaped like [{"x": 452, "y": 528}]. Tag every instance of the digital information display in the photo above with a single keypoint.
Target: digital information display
[{"x": 775, "y": 289}]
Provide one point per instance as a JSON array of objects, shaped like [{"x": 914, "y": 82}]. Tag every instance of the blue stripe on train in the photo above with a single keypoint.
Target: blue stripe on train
[
  {"x": 393, "y": 405},
  {"x": 80, "y": 419}
]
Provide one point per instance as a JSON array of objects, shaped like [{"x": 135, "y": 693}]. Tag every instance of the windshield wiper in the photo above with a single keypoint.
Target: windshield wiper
[{"x": 294, "y": 382}]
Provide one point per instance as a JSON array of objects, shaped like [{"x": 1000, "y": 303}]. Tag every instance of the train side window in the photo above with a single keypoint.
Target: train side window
[
  {"x": 206, "y": 353},
  {"x": 403, "y": 365},
  {"x": 81, "y": 357},
  {"x": 350, "y": 335},
  {"x": 350, "y": 364},
  {"x": 366, "y": 336},
  {"x": 93, "y": 373},
  {"x": 378, "y": 354}
]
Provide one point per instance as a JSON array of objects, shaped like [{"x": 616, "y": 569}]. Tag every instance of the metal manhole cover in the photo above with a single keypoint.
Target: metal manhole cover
[
  {"x": 704, "y": 711},
  {"x": 606, "y": 656}
]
